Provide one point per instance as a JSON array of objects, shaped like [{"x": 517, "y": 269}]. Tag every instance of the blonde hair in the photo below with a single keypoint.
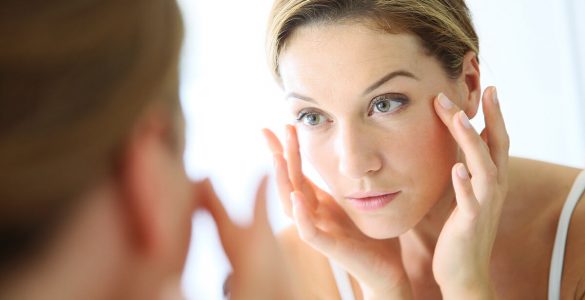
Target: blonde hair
[
  {"x": 74, "y": 78},
  {"x": 443, "y": 26}
]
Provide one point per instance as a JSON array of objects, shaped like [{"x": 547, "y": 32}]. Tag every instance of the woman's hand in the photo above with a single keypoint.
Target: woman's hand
[
  {"x": 462, "y": 254},
  {"x": 260, "y": 271},
  {"x": 322, "y": 223}
]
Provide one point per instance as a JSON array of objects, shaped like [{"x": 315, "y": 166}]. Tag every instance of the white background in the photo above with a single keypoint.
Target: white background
[{"x": 532, "y": 50}]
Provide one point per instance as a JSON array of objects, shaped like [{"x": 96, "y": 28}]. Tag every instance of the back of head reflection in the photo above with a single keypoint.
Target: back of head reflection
[{"x": 92, "y": 186}]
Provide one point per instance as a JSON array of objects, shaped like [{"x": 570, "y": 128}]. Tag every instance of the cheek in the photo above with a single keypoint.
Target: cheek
[
  {"x": 428, "y": 154},
  {"x": 318, "y": 149},
  {"x": 420, "y": 155}
]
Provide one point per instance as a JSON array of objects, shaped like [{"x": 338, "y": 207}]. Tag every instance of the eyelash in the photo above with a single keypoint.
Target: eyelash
[{"x": 401, "y": 99}]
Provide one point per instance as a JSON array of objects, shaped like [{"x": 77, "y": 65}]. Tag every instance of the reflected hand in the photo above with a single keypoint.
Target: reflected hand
[
  {"x": 260, "y": 271},
  {"x": 462, "y": 254},
  {"x": 324, "y": 225}
]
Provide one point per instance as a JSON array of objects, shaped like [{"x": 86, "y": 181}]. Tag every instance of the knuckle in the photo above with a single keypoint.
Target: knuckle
[
  {"x": 491, "y": 173},
  {"x": 307, "y": 235}
]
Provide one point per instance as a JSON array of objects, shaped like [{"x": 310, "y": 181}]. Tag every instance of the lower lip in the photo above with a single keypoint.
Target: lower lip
[{"x": 372, "y": 203}]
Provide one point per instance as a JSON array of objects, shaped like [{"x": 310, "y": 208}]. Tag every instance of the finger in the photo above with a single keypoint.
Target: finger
[
  {"x": 260, "y": 211},
  {"x": 306, "y": 227},
  {"x": 295, "y": 169},
  {"x": 272, "y": 141},
  {"x": 318, "y": 191},
  {"x": 466, "y": 200},
  {"x": 476, "y": 151},
  {"x": 497, "y": 135},
  {"x": 283, "y": 184},
  {"x": 199, "y": 193},
  {"x": 228, "y": 231}
]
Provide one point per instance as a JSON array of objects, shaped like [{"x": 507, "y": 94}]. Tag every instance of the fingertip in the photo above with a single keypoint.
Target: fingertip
[
  {"x": 204, "y": 190},
  {"x": 444, "y": 108},
  {"x": 198, "y": 189},
  {"x": 464, "y": 195},
  {"x": 444, "y": 102},
  {"x": 264, "y": 181},
  {"x": 490, "y": 99},
  {"x": 272, "y": 141},
  {"x": 288, "y": 130},
  {"x": 261, "y": 197},
  {"x": 495, "y": 99},
  {"x": 266, "y": 133},
  {"x": 291, "y": 133},
  {"x": 461, "y": 171}
]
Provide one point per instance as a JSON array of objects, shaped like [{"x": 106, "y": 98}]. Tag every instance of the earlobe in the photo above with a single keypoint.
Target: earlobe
[{"x": 471, "y": 84}]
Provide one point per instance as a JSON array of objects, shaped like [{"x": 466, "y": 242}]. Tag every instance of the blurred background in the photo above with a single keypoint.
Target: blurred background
[{"x": 532, "y": 50}]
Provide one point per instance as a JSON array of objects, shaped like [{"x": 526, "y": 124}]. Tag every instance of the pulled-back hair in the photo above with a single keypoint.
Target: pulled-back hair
[
  {"x": 74, "y": 77},
  {"x": 443, "y": 26}
]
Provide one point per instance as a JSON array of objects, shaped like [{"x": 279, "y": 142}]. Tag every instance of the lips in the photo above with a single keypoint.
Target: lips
[{"x": 369, "y": 201}]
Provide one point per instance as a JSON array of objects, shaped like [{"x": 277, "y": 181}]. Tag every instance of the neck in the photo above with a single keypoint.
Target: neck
[{"x": 85, "y": 260}]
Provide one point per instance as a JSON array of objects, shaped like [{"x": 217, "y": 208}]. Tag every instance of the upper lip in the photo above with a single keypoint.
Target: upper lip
[{"x": 364, "y": 195}]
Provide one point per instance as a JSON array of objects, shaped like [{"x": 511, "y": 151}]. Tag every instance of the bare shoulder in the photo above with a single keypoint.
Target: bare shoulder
[
  {"x": 536, "y": 195},
  {"x": 310, "y": 267},
  {"x": 574, "y": 266},
  {"x": 537, "y": 190}
]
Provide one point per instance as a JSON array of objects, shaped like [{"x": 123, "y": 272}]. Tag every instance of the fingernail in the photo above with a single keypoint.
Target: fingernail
[
  {"x": 445, "y": 102},
  {"x": 495, "y": 96},
  {"x": 274, "y": 161},
  {"x": 462, "y": 172},
  {"x": 464, "y": 120}
]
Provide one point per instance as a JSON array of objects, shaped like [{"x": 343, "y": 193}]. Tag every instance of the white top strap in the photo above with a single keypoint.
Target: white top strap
[
  {"x": 558, "y": 254},
  {"x": 342, "y": 281}
]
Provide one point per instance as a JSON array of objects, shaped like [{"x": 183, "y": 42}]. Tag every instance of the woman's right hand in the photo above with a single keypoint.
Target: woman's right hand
[{"x": 324, "y": 225}]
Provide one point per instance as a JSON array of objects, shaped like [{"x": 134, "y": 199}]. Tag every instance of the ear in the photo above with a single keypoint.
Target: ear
[
  {"x": 470, "y": 87},
  {"x": 142, "y": 179}
]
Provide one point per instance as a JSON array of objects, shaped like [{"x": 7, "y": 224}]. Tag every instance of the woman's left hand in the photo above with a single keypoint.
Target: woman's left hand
[{"x": 461, "y": 262}]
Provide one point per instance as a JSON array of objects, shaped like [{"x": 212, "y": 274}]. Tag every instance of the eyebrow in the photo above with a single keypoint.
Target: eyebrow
[
  {"x": 371, "y": 88},
  {"x": 300, "y": 97},
  {"x": 387, "y": 78}
]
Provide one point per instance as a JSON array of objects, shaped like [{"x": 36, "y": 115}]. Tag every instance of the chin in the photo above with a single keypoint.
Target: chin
[{"x": 381, "y": 229}]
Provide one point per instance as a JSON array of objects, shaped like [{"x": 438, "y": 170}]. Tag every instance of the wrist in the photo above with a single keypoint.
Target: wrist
[
  {"x": 400, "y": 290},
  {"x": 477, "y": 291}
]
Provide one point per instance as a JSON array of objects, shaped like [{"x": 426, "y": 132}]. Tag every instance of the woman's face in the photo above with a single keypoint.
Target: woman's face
[{"x": 362, "y": 100}]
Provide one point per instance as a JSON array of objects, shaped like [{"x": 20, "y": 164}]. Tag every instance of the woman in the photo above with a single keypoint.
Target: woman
[
  {"x": 94, "y": 199},
  {"x": 419, "y": 205}
]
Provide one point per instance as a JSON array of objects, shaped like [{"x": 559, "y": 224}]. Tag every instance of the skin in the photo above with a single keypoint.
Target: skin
[
  {"x": 464, "y": 236},
  {"x": 143, "y": 214}
]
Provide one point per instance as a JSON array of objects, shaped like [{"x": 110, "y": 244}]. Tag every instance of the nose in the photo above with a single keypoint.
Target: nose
[{"x": 357, "y": 153}]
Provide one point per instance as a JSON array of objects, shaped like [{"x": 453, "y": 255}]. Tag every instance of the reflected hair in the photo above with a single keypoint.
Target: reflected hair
[{"x": 74, "y": 78}]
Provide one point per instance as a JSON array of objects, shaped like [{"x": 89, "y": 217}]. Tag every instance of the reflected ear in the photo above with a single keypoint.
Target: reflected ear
[
  {"x": 141, "y": 177},
  {"x": 470, "y": 84}
]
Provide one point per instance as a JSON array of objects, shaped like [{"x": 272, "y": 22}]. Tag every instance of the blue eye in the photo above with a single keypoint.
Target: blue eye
[
  {"x": 311, "y": 118},
  {"x": 386, "y": 103}
]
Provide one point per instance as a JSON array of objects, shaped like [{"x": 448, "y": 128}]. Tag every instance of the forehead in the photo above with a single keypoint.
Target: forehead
[{"x": 336, "y": 53}]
